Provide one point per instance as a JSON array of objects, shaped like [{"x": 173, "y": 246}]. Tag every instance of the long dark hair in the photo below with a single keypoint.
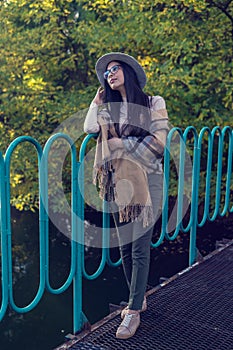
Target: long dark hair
[{"x": 138, "y": 104}]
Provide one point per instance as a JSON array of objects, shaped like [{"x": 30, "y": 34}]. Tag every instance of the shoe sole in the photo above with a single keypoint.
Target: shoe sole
[{"x": 122, "y": 336}]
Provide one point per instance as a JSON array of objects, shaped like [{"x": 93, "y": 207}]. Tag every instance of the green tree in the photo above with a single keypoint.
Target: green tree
[
  {"x": 185, "y": 46},
  {"x": 43, "y": 75},
  {"x": 49, "y": 49}
]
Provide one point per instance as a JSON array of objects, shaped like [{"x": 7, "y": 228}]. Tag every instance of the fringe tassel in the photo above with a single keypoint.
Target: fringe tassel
[
  {"x": 137, "y": 212},
  {"x": 102, "y": 180}
]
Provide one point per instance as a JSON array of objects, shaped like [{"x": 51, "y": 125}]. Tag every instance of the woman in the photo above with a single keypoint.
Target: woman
[{"x": 132, "y": 129}]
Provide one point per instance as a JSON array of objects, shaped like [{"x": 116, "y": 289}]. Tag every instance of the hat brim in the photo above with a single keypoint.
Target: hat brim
[{"x": 103, "y": 61}]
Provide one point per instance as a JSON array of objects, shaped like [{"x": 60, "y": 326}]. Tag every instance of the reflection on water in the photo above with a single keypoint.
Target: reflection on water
[{"x": 46, "y": 325}]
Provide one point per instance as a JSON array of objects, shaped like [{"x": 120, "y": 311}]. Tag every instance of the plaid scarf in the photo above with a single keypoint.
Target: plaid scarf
[{"x": 120, "y": 178}]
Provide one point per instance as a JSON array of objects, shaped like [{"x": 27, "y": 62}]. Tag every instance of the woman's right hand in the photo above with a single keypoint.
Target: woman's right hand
[{"x": 99, "y": 97}]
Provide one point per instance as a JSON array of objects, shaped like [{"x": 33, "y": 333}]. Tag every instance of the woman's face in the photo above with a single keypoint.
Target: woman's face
[{"x": 116, "y": 79}]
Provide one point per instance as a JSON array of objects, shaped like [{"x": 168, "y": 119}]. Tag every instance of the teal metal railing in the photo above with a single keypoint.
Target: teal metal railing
[{"x": 202, "y": 147}]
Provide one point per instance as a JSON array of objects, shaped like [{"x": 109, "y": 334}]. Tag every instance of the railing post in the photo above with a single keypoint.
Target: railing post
[
  {"x": 3, "y": 232},
  {"x": 79, "y": 319},
  {"x": 194, "y": 203},
  {"x": 77, "y": 283}
]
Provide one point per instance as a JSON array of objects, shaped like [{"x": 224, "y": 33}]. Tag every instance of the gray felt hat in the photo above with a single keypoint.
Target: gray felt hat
[{"x": 103, "y": 61}]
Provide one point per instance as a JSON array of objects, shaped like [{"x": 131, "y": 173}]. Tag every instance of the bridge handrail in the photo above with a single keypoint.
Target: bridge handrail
[{"x": 77, "y": 265}]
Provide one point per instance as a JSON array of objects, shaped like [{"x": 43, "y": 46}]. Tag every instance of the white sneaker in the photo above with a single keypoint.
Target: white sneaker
[
  {"x": 144, "y": 308},
  {"x": 129, "y": 325}
]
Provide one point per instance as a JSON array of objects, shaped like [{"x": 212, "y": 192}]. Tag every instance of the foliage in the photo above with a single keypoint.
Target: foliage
[{"x": 49, "y": 49}]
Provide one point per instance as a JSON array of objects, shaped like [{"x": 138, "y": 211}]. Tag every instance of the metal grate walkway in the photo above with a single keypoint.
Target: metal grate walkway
[{"x": 191, "y": 311}]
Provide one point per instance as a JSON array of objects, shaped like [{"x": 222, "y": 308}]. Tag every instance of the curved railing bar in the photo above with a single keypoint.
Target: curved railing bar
[
  {"x": 230, "y": 167},
  {"x": 181, "y": 177},
  {"x": 81, "y": 185},
  {"x": 4, "y": 257},
  {"x": 226, "y": 207},
  {"x": 110, "y": 262},
  {"x": 195, "y": 171},
  {"x": 40, "y": 290},
  {"x": 208, "y": 173},
  {"x": 194, "y": 200},
  {"x": 44, "y": 166},
  {"x": 166, "y": 181},
  {"x": 219, "y": 173},
  {"x": 106, "y": 233},
  {"x": 180, "y": 189}
]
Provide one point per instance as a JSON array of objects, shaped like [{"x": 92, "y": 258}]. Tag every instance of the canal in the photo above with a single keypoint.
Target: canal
[{"x": 46, "y": 326}]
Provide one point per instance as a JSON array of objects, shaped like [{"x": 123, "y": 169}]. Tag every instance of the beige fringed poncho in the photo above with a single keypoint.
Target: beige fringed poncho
[{"x": 122, "y": 178}]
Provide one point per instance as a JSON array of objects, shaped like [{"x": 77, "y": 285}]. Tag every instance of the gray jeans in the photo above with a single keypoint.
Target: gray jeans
[{"x": 134, "y": 243}]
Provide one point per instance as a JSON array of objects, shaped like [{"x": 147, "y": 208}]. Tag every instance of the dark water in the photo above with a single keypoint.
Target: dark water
[{"x": 46, "y": 325}]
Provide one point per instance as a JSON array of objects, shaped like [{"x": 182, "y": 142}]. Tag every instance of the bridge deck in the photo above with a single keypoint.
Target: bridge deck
[{"x": 191, "y": 311}]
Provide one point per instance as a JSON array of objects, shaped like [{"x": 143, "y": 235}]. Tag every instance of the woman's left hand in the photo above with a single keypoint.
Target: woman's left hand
[{"x": 115, "y": 143}]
